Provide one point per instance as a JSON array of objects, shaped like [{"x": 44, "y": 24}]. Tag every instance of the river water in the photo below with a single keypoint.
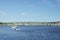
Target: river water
[{"x": 30, "y": 33}]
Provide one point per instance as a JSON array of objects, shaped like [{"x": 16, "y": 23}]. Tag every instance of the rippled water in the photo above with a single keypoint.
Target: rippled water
[{"x": 30, "y": 33}]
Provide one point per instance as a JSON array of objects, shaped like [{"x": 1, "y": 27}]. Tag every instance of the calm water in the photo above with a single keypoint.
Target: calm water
[{"x": 30, "y": 33}]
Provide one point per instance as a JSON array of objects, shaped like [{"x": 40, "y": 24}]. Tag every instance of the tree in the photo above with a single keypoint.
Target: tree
[{"x": 1, "y": 23}]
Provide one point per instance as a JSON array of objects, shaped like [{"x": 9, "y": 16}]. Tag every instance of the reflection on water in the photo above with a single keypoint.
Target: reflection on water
[{"x": 30, "y": 33}]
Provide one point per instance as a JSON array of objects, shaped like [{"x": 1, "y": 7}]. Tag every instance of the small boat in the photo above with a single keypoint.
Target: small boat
[
  {"x": 17, "y": 29},
  {"x": 14, "y": 27}
]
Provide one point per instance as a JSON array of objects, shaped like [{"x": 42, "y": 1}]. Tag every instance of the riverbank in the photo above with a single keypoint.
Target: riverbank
[{"x": 29, "y": 23}]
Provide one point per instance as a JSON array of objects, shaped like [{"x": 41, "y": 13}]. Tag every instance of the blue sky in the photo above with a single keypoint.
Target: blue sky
[{"x": 29, "y": 10}]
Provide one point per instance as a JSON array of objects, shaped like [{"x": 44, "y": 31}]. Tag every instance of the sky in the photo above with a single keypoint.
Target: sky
[{"x": 29, "y": 10}]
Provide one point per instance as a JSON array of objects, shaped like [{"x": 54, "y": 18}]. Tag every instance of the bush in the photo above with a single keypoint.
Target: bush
[{"x": 1, "y": 23}]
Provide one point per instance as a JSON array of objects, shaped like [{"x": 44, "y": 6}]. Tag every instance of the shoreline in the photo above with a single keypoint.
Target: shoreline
[{"x": 29, "y": 23}]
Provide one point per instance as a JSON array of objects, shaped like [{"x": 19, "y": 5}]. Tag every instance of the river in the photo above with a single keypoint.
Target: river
[{"x": 30, "y": 33}]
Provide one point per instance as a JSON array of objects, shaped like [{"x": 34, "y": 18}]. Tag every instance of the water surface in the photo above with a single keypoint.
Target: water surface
[{"x": 30, "y": 33}]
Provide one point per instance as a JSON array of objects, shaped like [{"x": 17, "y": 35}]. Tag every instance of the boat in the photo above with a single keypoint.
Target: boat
[
  {"x": 14, "y": 26},
  {"x": 17, "y": 29}
]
